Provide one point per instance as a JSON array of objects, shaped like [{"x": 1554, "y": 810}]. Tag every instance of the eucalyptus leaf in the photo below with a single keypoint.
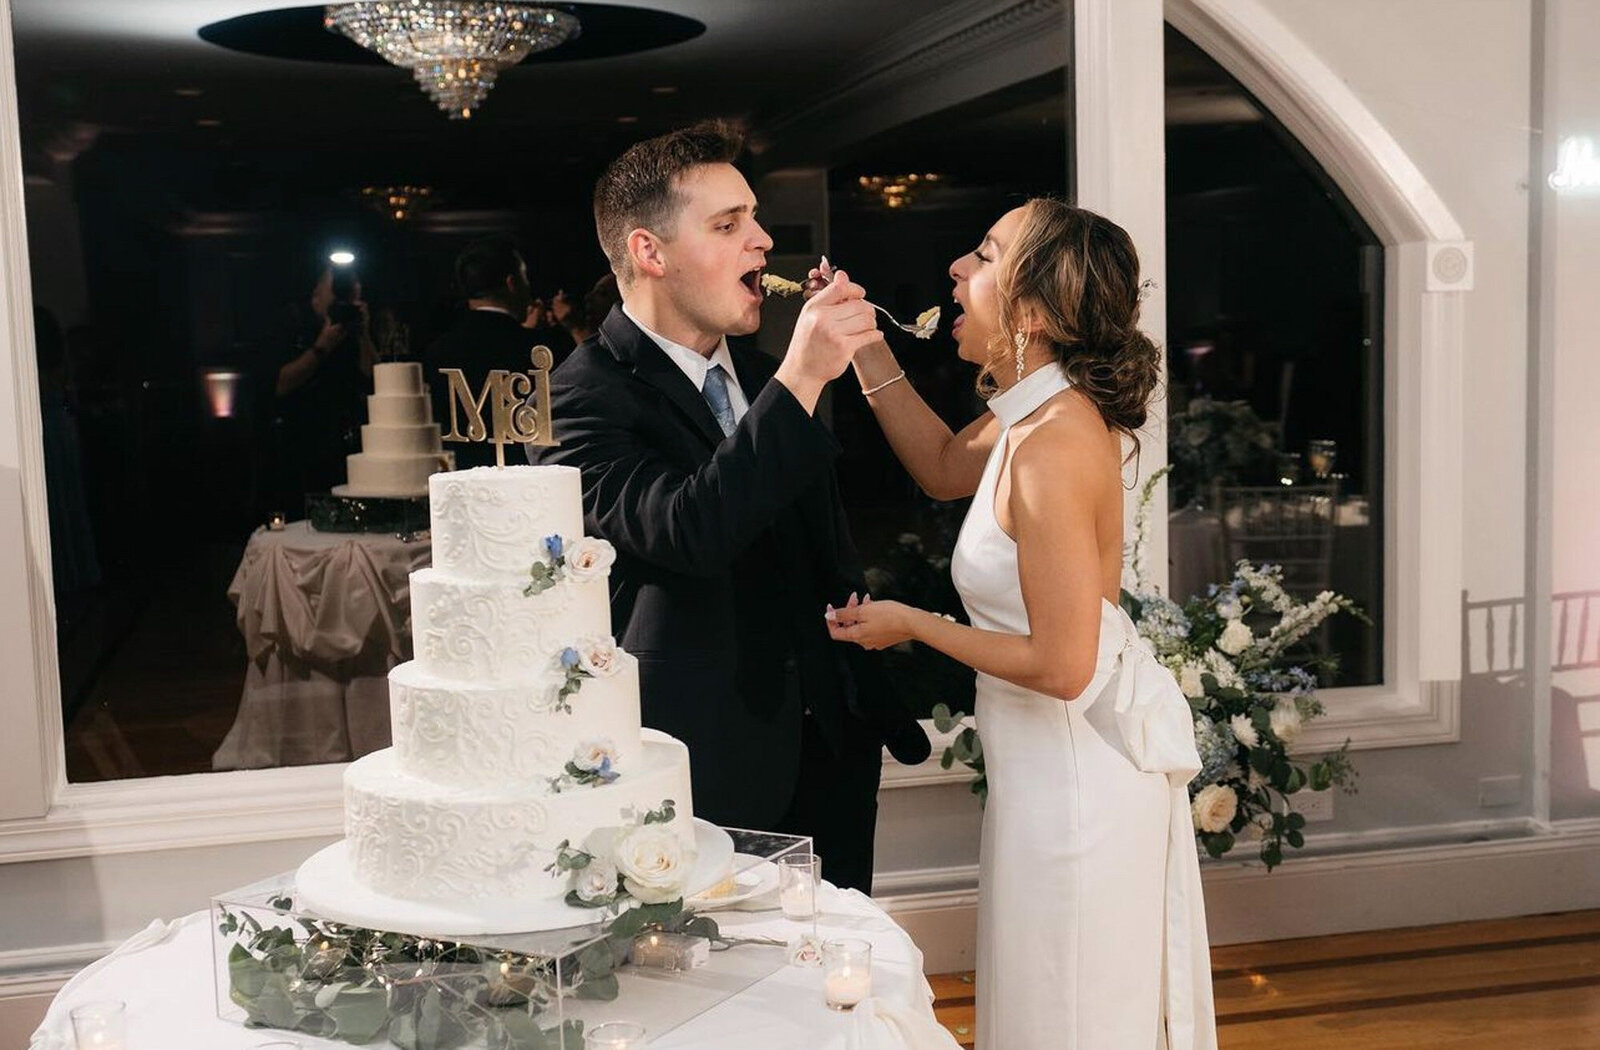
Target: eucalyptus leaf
[
  {"x": 599, "y": 989},
  {"x": 359, "y": 1014}
]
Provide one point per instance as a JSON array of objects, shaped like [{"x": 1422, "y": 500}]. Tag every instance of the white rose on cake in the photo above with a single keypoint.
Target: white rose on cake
[
  {"x": 654, "y": 865},
  {"x": 596, "y": 883},
  {"x": 589, "y": 558},
  {"x": 600, "y": 656},
  {"x": 1214, "y": 807}
]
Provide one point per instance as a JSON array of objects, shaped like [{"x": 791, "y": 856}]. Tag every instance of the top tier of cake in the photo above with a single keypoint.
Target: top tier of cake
[{"x": 490, "y": 523}]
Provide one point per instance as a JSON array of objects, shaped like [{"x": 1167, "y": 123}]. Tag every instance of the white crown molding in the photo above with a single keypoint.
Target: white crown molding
[{"x": 1429, "y": 267}]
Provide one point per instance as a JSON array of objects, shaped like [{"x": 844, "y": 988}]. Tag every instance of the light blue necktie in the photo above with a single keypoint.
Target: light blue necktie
[{"x": 716, "y": 394}]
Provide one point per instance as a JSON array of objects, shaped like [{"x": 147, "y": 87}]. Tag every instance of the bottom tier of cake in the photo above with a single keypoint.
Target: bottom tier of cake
[{"x": 413, "y": 842}]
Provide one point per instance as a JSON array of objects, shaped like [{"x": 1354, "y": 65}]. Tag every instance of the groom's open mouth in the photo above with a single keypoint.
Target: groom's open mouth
[{"x": 751, "y": 279}]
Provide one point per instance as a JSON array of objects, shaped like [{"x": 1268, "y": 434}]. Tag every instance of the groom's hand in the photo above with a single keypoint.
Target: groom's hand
[{"x": 833, "y": 325}]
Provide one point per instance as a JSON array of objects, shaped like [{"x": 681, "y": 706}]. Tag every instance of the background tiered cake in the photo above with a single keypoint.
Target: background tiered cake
[
  {"x": 400, "y": 442},
  {"x": 516, "y": 729}
]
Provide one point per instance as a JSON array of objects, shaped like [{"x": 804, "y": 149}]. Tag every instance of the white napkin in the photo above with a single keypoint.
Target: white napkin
[{"x": 879, "y": 1024}]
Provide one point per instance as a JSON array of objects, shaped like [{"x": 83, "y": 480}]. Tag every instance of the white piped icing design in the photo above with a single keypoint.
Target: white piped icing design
[
  {"x": 482, "y": 735},
  {"x": 468, "y": 629},
  {"x": 476, "y": 794},
  {"x": 416, "y": 840},
  {"x": 489, "y": 523}
]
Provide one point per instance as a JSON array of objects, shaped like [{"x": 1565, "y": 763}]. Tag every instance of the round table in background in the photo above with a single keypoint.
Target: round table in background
[{"x": 324, "y": 615}]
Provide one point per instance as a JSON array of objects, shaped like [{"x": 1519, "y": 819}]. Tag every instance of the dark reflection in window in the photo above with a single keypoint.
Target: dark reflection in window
[
  {"x": 898, "y": 236},
  {"x": 1275, "y": 325}
]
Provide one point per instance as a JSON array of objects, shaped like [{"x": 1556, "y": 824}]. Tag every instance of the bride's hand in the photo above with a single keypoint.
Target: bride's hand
[
  {"x": 818, "y": 278},
  {"x": 870, "y": 624}
]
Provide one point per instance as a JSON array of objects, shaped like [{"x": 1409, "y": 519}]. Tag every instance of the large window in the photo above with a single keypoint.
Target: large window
[{"x": 1274, "y": 332}]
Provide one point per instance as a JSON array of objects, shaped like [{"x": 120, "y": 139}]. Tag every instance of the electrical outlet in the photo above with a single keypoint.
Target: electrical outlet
[
  {"x": 1500, "y": 791},
  {"x": 1314, "y": 805}
]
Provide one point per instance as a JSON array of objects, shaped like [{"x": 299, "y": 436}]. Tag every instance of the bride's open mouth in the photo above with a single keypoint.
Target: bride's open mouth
[{"x": 955, "y": 326}]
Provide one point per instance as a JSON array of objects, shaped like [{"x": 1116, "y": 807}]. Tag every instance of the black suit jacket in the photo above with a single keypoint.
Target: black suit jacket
[
  {"x": 479, "y": 342},
  {"x": 728, "y": 551}
]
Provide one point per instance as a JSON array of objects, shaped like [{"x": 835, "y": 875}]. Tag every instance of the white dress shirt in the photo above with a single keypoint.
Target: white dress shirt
[{"x": 695, "y": 365}]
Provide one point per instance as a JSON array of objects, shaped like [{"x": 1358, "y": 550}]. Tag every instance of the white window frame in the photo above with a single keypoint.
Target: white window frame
[
  {"x": 1428, "y": 265},
  {"x": 1428, "y": 271}
]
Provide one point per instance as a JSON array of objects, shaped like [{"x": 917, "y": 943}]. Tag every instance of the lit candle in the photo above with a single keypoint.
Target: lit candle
[
  {"x": 847, "y": 987},
  {"x": 798, "y": 874},
  {"x": 98, "y": 1026},
  {"x": 275, "y": 521},
  {"x": 846, "y": 973}
]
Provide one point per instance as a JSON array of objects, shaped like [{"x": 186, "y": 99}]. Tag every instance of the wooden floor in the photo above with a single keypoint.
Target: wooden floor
[{"x": 1530, "y": 983}]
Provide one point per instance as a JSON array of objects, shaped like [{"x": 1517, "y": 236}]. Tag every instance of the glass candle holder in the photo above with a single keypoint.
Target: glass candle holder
[
  {"x": 1321, "y": 455},
  {"x": 846, "y": 973},
  {"x": 100, "y": 1026},
  {"x": 276, "y": 521},
  {"x": 798, "y": 875},
  {"x": 614, "y": 1035}
]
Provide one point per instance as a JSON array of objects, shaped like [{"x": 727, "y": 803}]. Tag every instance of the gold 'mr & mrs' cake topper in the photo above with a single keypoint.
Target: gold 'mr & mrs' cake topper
[{"x": 518, "y": 403}]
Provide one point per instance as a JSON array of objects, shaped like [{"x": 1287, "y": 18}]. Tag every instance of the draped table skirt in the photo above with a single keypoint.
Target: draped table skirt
[{"x": 324, "y": 616}]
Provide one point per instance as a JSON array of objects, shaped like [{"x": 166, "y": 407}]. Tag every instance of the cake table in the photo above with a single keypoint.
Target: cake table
[{"x": 165, "y": 975}]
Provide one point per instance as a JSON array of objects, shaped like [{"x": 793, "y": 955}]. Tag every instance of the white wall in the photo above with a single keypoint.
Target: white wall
[{"x": 1572, "y": 108}]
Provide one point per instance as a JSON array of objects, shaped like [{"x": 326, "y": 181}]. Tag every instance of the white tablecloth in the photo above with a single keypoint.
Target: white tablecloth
[
  {"x": 164, "y": 974},
  {"x": 324, "y": 616}
]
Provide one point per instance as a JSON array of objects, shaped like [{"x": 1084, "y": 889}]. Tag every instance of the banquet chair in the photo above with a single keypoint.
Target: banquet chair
[{"x": 1286, "y": 525}]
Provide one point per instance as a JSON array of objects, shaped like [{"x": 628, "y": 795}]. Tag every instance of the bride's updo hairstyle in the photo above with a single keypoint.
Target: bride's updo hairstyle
[{"x": 1078, "y": 273}]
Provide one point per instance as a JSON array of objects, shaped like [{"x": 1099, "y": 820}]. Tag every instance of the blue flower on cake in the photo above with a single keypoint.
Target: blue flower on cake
[
  {"x": 578, "y": 560},
  {"x": 593, "y": 762}
]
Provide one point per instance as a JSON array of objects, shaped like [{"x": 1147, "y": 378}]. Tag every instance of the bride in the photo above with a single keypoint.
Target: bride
[{"x": 1091, "y": 927}]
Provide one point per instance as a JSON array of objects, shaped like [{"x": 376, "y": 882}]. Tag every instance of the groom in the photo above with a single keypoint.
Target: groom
[{"x": 704, "y": 465}]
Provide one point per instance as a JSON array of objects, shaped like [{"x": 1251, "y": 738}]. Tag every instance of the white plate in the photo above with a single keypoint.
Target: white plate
[{"x": 760, "y": 877}]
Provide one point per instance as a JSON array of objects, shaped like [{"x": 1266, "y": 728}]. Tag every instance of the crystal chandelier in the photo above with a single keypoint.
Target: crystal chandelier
[{"x": 454, "y": 48}]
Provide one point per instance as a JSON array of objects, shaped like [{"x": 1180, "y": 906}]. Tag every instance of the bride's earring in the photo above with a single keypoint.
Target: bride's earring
[{"x": 1020, "y": 340}]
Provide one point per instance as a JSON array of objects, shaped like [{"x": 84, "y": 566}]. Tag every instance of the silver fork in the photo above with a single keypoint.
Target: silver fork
[{"x": 916, "y": 330}]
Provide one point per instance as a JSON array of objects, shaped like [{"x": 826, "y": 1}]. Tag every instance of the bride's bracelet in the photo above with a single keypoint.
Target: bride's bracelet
[{"x": 869, "y": 391}]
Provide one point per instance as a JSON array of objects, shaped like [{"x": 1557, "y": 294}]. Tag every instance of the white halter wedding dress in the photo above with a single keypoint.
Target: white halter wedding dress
[{"x": 1091, "y": 926}]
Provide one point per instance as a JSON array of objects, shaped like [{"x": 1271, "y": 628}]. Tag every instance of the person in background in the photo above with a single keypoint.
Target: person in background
[
  {"x": 582, "y": 319},
  {"x": 321, "y": 385},
  {"x": 493, "y": 278}
]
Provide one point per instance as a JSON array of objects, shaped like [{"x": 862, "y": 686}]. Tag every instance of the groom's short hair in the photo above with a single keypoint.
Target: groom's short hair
[{"x": 640, "y": 188}]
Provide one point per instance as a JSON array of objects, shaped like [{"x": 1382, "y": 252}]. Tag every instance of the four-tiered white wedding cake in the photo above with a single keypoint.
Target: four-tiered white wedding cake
[
  {"x": 400, "y": 442},
  {"x": 516, "y": 731}
]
